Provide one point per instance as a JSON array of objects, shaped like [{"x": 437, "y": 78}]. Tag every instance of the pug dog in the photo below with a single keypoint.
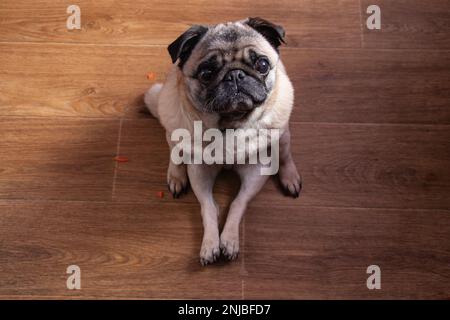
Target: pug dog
[{"x": 229, "y": 76}]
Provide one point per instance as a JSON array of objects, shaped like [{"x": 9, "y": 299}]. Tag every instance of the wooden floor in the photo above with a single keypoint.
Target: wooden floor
[{"x": 371, "y": 136}]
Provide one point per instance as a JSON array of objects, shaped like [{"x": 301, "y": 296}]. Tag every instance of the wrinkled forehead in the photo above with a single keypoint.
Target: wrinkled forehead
[{"x": 230, "y": 41}]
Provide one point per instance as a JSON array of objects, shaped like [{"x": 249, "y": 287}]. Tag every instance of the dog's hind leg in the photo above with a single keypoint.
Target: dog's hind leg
[
  {"x": 177, "y": 178},
  {"x": 290, "y": 179}
]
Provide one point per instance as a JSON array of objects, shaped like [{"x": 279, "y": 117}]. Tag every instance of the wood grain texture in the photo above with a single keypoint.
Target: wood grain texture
[
  {"x": 149, "y": 251},
  {"x": 123, "y": 251},
  {"x": 360, "y": 86},
  {"x": 323, "y": 253},
  {"x": 64, "y": 159},
  {"x": 370, "y": 135},
  {"x": 342, "y": 165},
  {"x": 405, "y": 166},
  {"x": 370, "y": 86},
  {"x": 73, "y": 80},
  {"x": 309, "y": 22},
  {"x": 409, "y": 24}
]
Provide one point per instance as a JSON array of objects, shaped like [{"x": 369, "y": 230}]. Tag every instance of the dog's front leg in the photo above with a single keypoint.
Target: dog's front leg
[
  {"x": 202, "y": 179},
  {"x": 251, "y": 183}
]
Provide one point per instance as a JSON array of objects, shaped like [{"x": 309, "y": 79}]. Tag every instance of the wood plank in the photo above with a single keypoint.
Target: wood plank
[
  {"x": 323, "y": 253},
  {"x": 409, "y": 24},
  {"x": 57, "y": 159},
  {"x": 386, "y": 166},
  {"x": 74, "y": 80},
  {"x": 309, "y": 22},
  {"x": 403, "y": 166},
  {"x": 123, "y": 251},
  {"x": 370, "y": 86},
  {"x": 330, "y": 85}
]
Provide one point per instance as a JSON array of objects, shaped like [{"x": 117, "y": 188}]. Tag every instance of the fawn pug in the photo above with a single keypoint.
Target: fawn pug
[{"x": 228, "y": 76}]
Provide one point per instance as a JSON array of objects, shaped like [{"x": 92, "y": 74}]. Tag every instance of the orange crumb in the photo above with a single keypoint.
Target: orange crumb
[
  {"x": 121, "y": 159},
  {"x": 151, "y": 76}
]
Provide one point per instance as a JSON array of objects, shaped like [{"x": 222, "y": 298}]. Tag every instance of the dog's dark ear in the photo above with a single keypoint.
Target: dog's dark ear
[
  {"x": 272, "y": 32},
  {"x": 182, "y": 47}
]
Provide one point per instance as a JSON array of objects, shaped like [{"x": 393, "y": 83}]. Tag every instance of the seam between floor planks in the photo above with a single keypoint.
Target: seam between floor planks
[
  {"x": 150, "y": 118},
  {"x": 287, "y": 47},
  {"x": 196, "y": 204},
  {"x": 116, "y": 165},
  {"x": 152, "y": 45}
]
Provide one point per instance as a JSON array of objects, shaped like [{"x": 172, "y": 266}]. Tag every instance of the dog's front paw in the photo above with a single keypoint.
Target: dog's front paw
[
  {"x": 229, "y": 244},
  {"x": 290, "y": 179},
  {"x": 177, "y": 180},
  {"x": 210, "y": 251}
]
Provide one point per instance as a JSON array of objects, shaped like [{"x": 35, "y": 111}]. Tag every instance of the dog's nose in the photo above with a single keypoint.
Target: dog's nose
[{"x": 235, "y": 75}]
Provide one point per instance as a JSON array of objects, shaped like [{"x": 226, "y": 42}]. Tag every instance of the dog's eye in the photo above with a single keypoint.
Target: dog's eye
[
  {"x": 262, "y": 65},
  {"x": 205, "y": 75}
]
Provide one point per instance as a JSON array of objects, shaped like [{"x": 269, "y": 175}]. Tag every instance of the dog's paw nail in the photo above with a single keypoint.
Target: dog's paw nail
[
  {"x": 177, "y": 187},
  {"x": 230, "y": 249},
  {"x": 209, "y": 253},
  {"x": 291, "y": 190},
  {"x": 290, "y": 180}
]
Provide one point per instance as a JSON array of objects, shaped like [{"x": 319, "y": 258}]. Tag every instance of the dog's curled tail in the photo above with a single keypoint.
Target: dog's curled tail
[{"x": 151, "y": 99}]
